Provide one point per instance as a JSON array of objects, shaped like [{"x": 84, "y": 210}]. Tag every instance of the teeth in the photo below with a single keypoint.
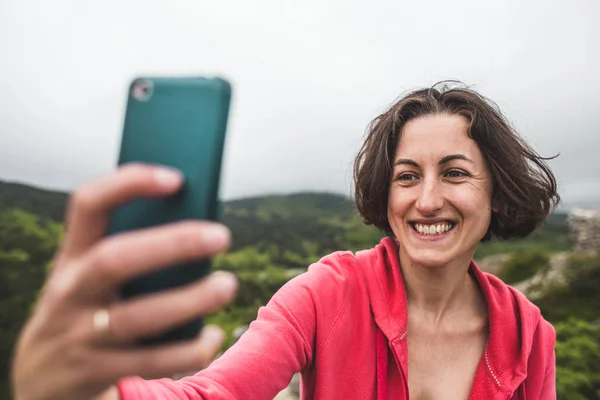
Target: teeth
[{"x": 430, "y": 230}]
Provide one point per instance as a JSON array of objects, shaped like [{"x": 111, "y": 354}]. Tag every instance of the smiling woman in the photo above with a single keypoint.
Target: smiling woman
[
  {"x": 441, "y": 171},
  {"x": 414, "y": 317},
  {"x": 524, "y": 187}
]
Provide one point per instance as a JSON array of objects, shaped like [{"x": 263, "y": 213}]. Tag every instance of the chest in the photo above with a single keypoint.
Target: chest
[{"x": 443, "y": 366}]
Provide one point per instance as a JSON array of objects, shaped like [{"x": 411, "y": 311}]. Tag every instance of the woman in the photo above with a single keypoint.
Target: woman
[{"x": 415, "y": 317}]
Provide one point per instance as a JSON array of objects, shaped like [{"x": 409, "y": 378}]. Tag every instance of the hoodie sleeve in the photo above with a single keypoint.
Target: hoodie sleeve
[
  {"x": 549, "y": 385},
  {"x": 277, "y": 344}
]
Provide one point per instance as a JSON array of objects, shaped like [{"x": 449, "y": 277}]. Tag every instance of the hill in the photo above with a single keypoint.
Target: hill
[
  {"x": 47, "y": 203},
  {"x": 293, "y": 228},
  {"x": 303, "y": 224}
]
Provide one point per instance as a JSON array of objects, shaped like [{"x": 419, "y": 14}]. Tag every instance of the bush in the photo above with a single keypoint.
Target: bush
[
  {"x": 579, "y": 297},
  {"x": 524, "y": 265},
  {"x": 577, "y": 360}
]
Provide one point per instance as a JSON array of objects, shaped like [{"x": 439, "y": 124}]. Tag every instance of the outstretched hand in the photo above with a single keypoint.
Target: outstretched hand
[{"x": 78, "y": 341}]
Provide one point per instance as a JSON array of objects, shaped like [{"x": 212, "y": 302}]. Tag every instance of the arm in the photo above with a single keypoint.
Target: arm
[
  {"x": 278, "y": 344},
  {"x": 549, "y": 385}
]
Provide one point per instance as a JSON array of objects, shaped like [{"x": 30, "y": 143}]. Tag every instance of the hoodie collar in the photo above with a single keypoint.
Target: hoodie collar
[{"x": 512, "y": 320}]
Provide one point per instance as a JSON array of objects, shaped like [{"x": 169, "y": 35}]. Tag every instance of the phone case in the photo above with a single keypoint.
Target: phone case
[{"x": 177, "y": 122}]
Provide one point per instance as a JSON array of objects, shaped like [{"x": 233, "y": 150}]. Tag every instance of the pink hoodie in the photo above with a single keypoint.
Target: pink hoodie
[{"x": 343, "y": 325}]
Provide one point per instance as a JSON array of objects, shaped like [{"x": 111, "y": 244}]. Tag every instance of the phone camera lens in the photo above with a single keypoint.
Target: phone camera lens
[{"x": 141, "y": 89}]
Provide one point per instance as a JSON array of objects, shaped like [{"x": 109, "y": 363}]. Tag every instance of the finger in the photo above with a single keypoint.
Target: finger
[
  {"x": 162, "y": 361},
  {"x": 91, "y": 204},
  {"x": 120, "y": 258},
  {"x": 150, "y": 315}
]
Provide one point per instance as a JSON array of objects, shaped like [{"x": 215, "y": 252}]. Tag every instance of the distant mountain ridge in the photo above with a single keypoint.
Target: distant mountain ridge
[
  {"x": 305, "y": 223},
  {"x": 48, "y": 203},
  {"x": 53, "y": 203},
  {"x": 304, "y": 204}
]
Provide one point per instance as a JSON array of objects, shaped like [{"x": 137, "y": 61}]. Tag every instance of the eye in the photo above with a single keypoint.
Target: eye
[
  {"x": 456, "y": 173},
  {"x": 406, "y": 177}
]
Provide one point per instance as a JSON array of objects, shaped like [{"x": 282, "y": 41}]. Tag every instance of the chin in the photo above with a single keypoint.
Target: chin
[{"x": 429, "y": 258}]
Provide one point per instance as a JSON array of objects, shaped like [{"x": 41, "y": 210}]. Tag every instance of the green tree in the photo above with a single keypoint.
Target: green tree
[
  {"x": 577, "y": 360},
  {"x": 27, "y": 244},
  {"x": 524, "y": 265},
  {"x": 579, "y": 295},
  {"x": 248, "y": 258}
]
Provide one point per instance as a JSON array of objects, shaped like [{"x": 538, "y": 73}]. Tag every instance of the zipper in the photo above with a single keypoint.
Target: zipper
[
  {"x": 487, "y": 362},
  {"x": 509, "y": 393}
]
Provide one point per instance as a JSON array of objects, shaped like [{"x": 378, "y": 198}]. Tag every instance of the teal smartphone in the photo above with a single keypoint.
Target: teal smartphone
[{"x": 178, "y": 122}]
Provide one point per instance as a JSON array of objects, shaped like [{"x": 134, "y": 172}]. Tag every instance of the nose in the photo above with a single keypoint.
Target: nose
[{"x": 430, "y": 199}]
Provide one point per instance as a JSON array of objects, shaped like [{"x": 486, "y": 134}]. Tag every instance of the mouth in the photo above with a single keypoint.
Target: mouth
[{"x": 433, "y": 229}]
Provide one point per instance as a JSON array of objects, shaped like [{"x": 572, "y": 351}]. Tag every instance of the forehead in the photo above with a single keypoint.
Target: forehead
[{"x": 437, "y": 135}]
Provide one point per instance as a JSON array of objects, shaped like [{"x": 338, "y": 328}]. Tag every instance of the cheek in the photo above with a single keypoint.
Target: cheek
[
  {"x": 475, "y": 205},
  {"x": 398, "y": 207},
  {"x": 398, "y": 203}
]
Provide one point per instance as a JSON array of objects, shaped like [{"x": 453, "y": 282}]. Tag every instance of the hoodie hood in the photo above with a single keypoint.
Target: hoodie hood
[{"x": 513, "y": 320}]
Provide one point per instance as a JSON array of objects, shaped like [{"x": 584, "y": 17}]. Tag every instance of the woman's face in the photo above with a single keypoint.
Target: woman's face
[{"x": 440, "y": 197}]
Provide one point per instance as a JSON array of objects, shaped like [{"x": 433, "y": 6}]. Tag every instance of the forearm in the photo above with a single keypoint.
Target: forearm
[
  {"x": 259, "y": 366},
  {"x": 277, "y": 344}
]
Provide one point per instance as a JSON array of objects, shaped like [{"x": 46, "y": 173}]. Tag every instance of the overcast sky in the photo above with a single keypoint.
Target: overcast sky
[{"x": 308, "y": 77}]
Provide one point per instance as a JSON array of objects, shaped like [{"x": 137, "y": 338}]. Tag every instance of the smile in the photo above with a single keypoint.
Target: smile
[{"x": 433, "y": 229}]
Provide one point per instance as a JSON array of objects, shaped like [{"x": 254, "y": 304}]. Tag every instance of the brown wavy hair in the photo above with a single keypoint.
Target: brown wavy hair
[{"x": 524, "y": 191}]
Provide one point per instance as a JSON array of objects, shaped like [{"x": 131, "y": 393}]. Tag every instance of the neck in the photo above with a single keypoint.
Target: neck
[{"x": 438, "y": 292}]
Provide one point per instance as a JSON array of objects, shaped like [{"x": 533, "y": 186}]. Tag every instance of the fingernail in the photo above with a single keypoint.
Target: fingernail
[
  {"x": 225, "y": 283},
  {"x": 213, "y": 334},
  {"x": 217, "y": 234},
  {"x": 168, "y": 176}
]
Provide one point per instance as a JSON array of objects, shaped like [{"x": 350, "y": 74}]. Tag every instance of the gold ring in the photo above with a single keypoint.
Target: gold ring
[{"x": 102, "y": 324}]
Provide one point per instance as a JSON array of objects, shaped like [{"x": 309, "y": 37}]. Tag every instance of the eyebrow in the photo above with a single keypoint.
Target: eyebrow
[
  {"x": 444, "y": 160},
  {"x": 452, "y": 157}
]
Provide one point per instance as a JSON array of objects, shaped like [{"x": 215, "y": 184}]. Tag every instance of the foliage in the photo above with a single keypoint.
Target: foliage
[
  {"x": 246, "y": 259},
  {"x": 27, "y": 243},
  {"x": 523, "y": 265},
  {"x": 551, "y": 237},
  {"x": 286, "y": 227},
  {"x": 577, "y": 360},
  {"x": 574, "y": 308},
  {"x": 579, "y": 297}
]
